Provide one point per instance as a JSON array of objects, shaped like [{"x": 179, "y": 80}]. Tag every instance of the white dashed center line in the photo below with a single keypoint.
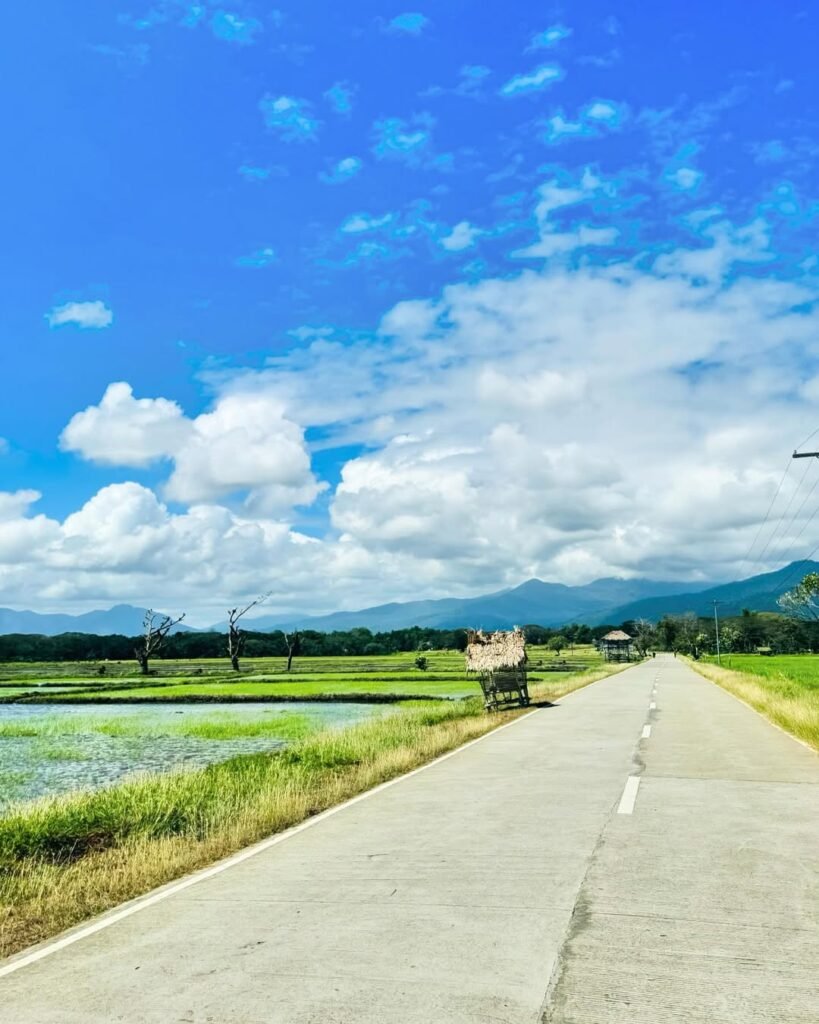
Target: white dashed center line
[
  {"x": 652, "y": 706},
  {"x": 629, "y": 796},
  {"x": 646, "y": 731}
]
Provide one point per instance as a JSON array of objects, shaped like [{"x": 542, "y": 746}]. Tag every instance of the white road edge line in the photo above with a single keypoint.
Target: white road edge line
[
  {"x": 143, "y": 902},
  {"x": 646, "y": 732},
  {"x": 627, "y": 800}
]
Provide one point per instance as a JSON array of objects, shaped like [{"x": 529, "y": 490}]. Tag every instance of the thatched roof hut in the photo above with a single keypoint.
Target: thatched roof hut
[
  {"x": 616, "y": 645},
  {"x": 495, "y": 652}
]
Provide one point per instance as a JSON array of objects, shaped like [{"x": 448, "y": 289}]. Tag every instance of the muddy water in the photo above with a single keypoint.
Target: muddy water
[{"x": 81, "y": 758}]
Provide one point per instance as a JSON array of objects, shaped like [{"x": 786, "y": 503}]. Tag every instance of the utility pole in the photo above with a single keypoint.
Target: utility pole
[
  {"x": 716, "y": 625},
  {"x": 805, "y": 455}
]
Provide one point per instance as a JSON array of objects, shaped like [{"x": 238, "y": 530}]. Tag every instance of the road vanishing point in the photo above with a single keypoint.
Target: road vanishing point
[{"x": 644, "y": 852}]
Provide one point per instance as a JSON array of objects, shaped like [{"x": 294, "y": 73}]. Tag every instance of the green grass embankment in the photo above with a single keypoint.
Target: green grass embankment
[
  {"x": 784, "y": 688},
  {"x": 64, "y": 859}
]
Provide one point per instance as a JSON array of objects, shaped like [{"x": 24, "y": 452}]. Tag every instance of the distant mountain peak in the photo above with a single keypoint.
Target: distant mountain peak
[{"x": 611, "y": 599}]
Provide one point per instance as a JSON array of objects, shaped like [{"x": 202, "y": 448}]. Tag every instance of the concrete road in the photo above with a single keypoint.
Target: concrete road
[{"x": 643, "y": 853}]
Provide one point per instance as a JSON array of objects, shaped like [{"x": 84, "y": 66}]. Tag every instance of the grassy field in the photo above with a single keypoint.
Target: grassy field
[
  {"x": 286, "y": 725},
  {"x": 267, "y": 678},
  {"x": 63, "y": 859},
  {"x": 784, "y": 688}
]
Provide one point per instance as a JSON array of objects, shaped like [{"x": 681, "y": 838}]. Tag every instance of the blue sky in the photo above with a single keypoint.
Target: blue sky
[{"x": 351, "y": 215}]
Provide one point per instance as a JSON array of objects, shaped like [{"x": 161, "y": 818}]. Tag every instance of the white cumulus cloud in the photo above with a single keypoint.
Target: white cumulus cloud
[
  {"x": 94, "y": 315},
  {"x": 501, "y": 429},
  {"x": 244, "y": 445},
  {"x": 126, "y": 431}
]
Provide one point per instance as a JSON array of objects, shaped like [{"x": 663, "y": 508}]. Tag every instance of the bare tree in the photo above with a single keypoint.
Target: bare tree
[
  {"x": 155, "y": 628},
  {"x": 293, "y": 641},
  {"x": 644, "y": 636},
  {"x": 236, "y": 636},
  {"x": 802, "y": 602}
]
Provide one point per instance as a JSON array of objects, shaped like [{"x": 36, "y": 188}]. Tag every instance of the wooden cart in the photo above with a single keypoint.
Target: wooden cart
[{"x": 498, "y": 661}]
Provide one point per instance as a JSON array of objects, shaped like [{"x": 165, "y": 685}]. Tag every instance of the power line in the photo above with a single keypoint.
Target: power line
[
  {"x": 782, "y": 521},
  {"x": 746, "y": 559},
  {"x": 808, "y": 438},
  {"x": 788, "y": 581},
  {"x": 795, "y": 568},
  {"x": 792, "y": 575}
]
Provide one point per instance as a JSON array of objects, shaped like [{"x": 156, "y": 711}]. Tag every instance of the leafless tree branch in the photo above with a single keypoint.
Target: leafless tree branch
[{"x": 236, "y": 636}]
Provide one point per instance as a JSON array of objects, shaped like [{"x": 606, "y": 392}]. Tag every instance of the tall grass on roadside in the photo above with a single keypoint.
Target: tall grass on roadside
[
  {"x": 788, "y": 702},
  {"x": 64, "y": 859},
  {"x": 286, "y": 725}
]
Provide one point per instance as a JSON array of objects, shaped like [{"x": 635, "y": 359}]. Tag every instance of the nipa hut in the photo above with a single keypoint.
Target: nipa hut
[
  {"x": 499, "y": 662},
  {"x": 617, "y": 646}
]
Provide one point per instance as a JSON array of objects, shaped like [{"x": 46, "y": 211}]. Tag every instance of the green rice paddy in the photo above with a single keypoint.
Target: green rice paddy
[{"x": 267, "y": 678}]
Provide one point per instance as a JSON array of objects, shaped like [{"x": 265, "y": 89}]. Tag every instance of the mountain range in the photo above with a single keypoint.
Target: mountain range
[
  {"x": 535, "y": 601},
  {"x": 124, "y": 619}
]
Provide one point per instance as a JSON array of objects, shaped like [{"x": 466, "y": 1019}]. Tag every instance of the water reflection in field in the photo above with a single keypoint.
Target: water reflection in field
[{"x": 51, "y": 749}]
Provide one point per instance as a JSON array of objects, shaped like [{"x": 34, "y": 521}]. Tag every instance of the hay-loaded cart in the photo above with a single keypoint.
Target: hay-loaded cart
[{"x": 498, "y": 661}]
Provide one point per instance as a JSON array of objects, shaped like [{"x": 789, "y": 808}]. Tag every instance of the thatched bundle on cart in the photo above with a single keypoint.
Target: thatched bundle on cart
[{"x": 499, "y": 662}]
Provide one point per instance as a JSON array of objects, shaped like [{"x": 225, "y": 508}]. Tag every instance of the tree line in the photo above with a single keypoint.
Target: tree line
[
  {"x": 158, "y": 641},
  {"x": 746, "y": 633},
  {"x": 688, "y": 634}
]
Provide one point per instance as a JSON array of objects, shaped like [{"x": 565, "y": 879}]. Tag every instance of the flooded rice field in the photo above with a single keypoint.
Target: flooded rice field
[{"x": 52, "y": 749}]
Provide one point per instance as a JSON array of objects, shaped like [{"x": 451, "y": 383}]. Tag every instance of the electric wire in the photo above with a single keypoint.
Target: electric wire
[
  {"x": 796, "y": 565},
  {"x": 808, "y": 438},
  {"x": 747, "y": 559},
  {"x": 795, "y": 570},
  {"x": 791, "y": 579},
  {"x": 784, "y": 522}
]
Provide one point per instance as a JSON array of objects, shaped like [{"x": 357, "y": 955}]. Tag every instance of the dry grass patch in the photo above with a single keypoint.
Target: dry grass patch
[
  {"x": 792, "y": 706},
  {"x": 65, "y": 859}
]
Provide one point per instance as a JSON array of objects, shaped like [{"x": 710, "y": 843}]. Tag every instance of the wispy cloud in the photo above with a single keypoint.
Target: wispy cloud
[
  {"x": 548, "y": 38},
  {"x": 471, "y": 81},
  {"x": 684, "y": 178},
  {"x": 127, "y": 58},
  {"x": 358, "y": 222},
  {"x": 395, "y": 139},
  {"x": 557, "y": 196},
  {"x": 473, "y": 77},
  {"x": 256, "y": 260},
  {"x": 602, "y": 60},
  {"x": 232, "y": 28},
  {"x": 291, "y": 118},
  {"x": 532, "y": 81},
  {"x": 411, "y": 23},
  {"x": 94, "y": 315},
  {"x": 594, "y": 119},
  {"x": 344, "y": 170},
  {"x": 462, "y": 236},
  {"x": 256, "y": 173},
  {"x": 225, "y": 25},
  {"x": 799, "y": 153},
  {"x": 340, "y": 97},
  {"x": 603, "y": 110}
]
